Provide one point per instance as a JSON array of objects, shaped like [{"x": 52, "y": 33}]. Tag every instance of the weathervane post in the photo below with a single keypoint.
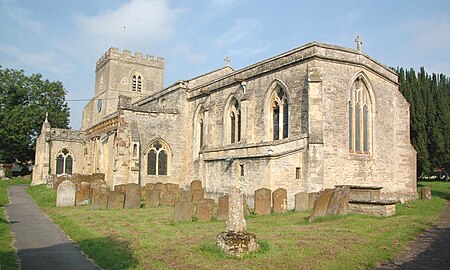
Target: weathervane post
[
  {"x": 358, "y": 43},
  {"x": 123, "y": 37}
]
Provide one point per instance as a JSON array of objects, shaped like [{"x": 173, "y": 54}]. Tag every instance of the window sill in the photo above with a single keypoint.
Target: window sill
[{"x": 360, "y": 156}]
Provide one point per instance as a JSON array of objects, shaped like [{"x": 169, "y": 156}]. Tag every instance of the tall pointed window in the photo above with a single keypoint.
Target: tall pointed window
[
  {"x": 279, "y": 110},
  {"x": 137, "y": 83},
  {"x": 158, "y": 159},
  {"x": 234, "y": 121},
  {"x": 64, "y": 162},
  {"x": 359, "y": 118}
]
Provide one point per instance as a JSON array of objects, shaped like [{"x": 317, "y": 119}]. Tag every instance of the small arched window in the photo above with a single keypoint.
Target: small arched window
[
  {"x": 234, "y": 121},
  {"x": 279, "y": 114},
  {"x": 137, "y": 83},
  {"x": 359, "y": 120},
  {"x": 64, "y": 162},
  {"x": 157, "y": 159}
]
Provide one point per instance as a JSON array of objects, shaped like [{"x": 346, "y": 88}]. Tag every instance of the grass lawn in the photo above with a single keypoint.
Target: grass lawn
[
  {"x": 7, "y": 253},
  {"x": 148, "y": 239}
]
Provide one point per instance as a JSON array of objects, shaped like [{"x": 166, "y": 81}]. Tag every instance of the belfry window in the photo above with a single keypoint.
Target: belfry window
[
  {"x": 234, "y": 121},
  {"x": 157, "y": 159},
  {"x": 279, "y": 114},
  {"x": 137, "y": 83},
  {"x": 359, "y": 119},
  {"x": 64, "y": 162}
]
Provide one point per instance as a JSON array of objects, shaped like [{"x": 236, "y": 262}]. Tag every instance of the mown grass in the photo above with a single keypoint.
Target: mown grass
[
  {"x": 7, "y": 253},
  {"x": 148, "y": 239}
]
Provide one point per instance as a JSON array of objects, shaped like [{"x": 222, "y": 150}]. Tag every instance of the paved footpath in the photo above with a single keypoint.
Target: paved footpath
[
  {"x": 431, "y": 250},
  {"x": 39, "y": 243}
]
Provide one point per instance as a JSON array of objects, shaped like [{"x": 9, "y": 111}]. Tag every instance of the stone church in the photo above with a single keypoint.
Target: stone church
[{"x": 310, "y": 118}]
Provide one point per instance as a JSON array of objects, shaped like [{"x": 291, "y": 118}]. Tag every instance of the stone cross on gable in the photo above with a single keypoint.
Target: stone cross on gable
[
  {"x": 358, "y": 43},
  {"x": 227, "y": 61}
]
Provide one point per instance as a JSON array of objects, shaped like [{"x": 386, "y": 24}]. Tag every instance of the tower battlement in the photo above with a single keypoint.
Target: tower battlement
[{"x": 138, "y": 58}]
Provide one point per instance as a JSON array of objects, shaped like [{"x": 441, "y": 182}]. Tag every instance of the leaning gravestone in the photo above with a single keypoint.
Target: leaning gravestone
[
  {"x": 205, "y": 209},
  {"x": 262, "y": 201},
  {"x": 222, "y": 209},
  {"x": 321, "y": 204},
  {"x": 426, "y": 193},
  {"x": 116, "y": 199},
  {"x": 99, "y": 197},
  {"x": 65, "y": 194},
  {"x": 339, "y": 201},
  {"x": 152, "y": 198},
  {"x": 197, "y": 191},
  {"x": 301, "y": 202},
  {"x": 132, "y": 196},
  {"x": 183, "y": 211},
  {"x": 236, "y": 241},
  {"x": 83, "y": 193},
  {"x": 279, "y": 199}
]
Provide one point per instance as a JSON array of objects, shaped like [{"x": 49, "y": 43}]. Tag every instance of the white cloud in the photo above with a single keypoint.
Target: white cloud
[
  {"x": 240, "y": 30},
  {"x": 22, "y": 16},
  {"x": 146, "y": 22},
  {"x": 432, "y": 33}
]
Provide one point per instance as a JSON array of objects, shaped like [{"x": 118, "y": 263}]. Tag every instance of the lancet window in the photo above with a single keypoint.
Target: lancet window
[
  {"x": 279, "y": 114},
  {"x": 137, "y": 83},
  {"x": 359, "y": 117},
  {"x": 234, "y": 121},
  {"x": 157, "y": 159}
]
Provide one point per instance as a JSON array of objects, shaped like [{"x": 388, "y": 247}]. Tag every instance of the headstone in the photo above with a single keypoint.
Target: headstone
[
  {"x": 116, "y": 199},
  {"x": 205, "y": 209},
  {"x": 339, "y": 201},
  {"x": 236, "y": 220},
  {"x": 262, "y": 201},
  {"x": 145, "y": 189},
  {"x": 197, "y": 191},
  {"x": 78, "y": 178},
  {"x": 312, "y": 199},
  {"x": 83, "y": 193},
  {"x": 185, "y": 195},
  {"x": 152, "y": 198},
  {"x": 50, "y": 180},
  {"x": 132, "y": 196},
  {"x": 246, "y": 209},
  {"x": 222, "y": 209},
  {"x": 171, "y": 194},
  {"x": 60, "y": 179},
  {"x": 183, "y": 211},
  {"x": 99, "y": 197},
  {"x": 279, "y": 199},
  {"x": 236, "y": 241},
  {"x": 426, "y": 193},
  {"x": 65, "y": 194},
  {"x": 321, "y": 204},
  {"x": 98, "y": 178},
  {"x": 301, "y": 202}
]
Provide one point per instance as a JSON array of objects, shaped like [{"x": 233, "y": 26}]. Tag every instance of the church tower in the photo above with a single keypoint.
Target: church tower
[{"x": 122, "y": 74}]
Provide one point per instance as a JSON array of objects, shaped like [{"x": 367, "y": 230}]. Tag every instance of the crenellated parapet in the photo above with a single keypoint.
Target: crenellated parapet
[{"x": 115, "y": 54}]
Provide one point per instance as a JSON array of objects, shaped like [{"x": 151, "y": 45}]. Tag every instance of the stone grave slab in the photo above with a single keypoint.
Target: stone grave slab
[
  {"x": 279, "y": 200},
  {"x": 183, "y": 211},
  {"x": 82, "y": 193},
  {"x": 99, "y": 197},
  {"x": 116, "y": 199},
  {"x": 197, "y": 191},
  {"x": 222, "y": 209},
  {"x": 321, "y": 204},
  {"x": 263, "y": 201},
  {"x": 339, "y": 201},
  {"x": 205, "y": 209},
  {"x": 152, "y": 198},
  {"x": 301, "y": 202},
  {"x": 65, "y": 194},
  {"x": 132, "y": 196}
]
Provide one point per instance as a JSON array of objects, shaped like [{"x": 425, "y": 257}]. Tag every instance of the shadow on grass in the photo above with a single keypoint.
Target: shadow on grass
[
  {"x": 434, "y": 192},
  {"x": 8, "y": 260}
]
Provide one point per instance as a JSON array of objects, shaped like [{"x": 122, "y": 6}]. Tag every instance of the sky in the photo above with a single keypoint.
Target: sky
[{"x": 62, "y": 40}]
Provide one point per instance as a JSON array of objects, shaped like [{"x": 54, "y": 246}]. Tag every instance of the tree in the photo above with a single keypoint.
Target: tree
[{"x": 24, "y": 101}]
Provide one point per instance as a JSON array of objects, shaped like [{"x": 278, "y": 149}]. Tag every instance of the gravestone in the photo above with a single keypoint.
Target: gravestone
[
  {"x": 236, "y": 241},
  {"x": 197, "y": 191},
  {"x": 78, "y": 178},
  {"x": 246, "y": 209},
  {"x": 183, "y": 211},
  {"x": 339, "y": 201},
  {"x": 99, "y": 197},
  {"x": 222, "y": 209},
  {"x": 263, "y": 201},
  {"x": 171, "y": 194},
  {"x": 60, "y": 179},
  {"x": 205, "y": 209},
  {"x": 132, "y": 196},
  {"x": 426, "y": 193},
  {"x": 50, "y": 180},
  {"x": 82, "y": 193},
  {"x": 145, "y": 189},
  {"x": 279, "y": 200},
  {"x": 65, "y": 194},
  {"x": 312, "y": 199},
  {"x": 321, "y": 204},
  {"x": 98, "y": 179},
  {"x": 185, "y": 195},
  {"x": 152, "y": 198},
  {"x": 301, "y": 202},
  {"x": 116, "y": 199}
]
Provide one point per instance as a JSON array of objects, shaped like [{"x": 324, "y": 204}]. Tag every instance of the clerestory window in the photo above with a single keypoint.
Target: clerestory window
[{"x": 359, "y": 117}]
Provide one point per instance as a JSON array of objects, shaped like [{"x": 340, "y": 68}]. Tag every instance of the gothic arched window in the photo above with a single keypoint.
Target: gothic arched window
[
  {"x": 233, "y": 120},
  {"x": 279, "y": 114},
  {"x": 64, "y": 162},
  {"x": 137, "y": 83},
  {"x": 359, "y": 118},
  {"x": 157, "y": 159}
]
